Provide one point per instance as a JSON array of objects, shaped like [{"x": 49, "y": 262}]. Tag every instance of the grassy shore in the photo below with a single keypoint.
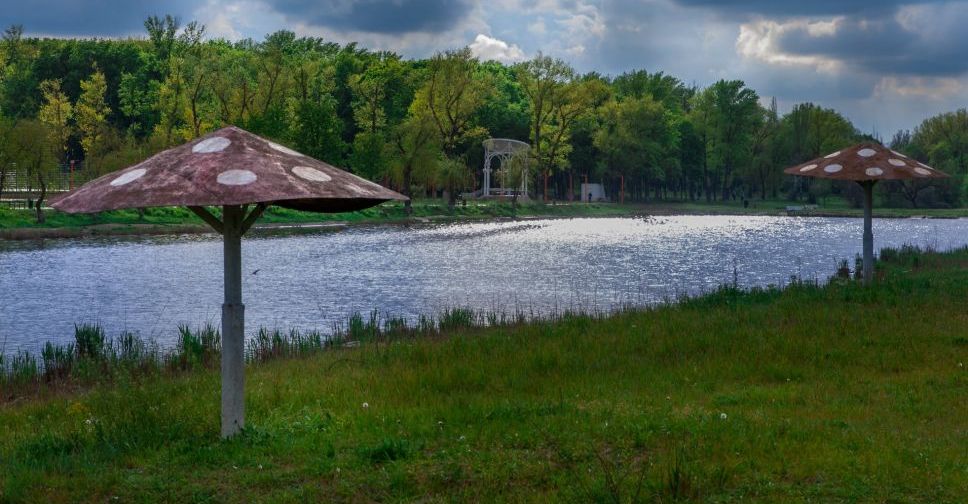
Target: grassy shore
[
  {"x": 822, "y": 394},
  {"x": 22, "y": 223}
]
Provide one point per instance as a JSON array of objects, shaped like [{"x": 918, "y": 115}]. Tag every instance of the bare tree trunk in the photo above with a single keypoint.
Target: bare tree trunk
[
  {"x": 407, "y": 174},
  {"x": 40, "y": 199}
]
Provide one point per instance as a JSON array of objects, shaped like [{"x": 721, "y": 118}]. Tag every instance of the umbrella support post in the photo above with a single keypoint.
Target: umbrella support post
[
  {"x": 233, "y": 324},
  {"x": 868, "y": 231},
  {"x": 232, "y": 227}
]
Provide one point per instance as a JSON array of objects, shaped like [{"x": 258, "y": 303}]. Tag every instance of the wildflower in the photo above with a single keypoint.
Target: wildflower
[
  {"x": 722, "y": 416},
  {"x": 366, "y": 405}
]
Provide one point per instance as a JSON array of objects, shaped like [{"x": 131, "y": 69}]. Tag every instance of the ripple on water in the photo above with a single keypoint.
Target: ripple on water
[{"x": 151, "y": 284}]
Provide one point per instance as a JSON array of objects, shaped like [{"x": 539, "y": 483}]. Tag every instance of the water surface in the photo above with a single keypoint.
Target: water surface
[{"x": 149, "y": 285}]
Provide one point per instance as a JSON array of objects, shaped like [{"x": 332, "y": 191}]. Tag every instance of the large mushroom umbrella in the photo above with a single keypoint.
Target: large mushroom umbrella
[
  {"x": 865, "y": 164},
  {"x": 233, "y": 169}
]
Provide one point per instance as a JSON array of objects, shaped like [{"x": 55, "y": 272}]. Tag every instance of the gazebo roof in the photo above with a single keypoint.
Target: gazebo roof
[
  {"x": 228, "y": 167},
  {"x": 866, "y": 161}
]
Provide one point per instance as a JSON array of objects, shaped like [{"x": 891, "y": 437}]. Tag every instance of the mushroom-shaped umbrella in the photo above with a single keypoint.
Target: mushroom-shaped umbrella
[
  {"x": 233, "y": 169},
  {"x": 866, "y": 164}
]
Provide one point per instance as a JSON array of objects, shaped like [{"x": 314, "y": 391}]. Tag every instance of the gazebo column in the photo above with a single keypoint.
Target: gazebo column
[
  {"x": 233, "y": 324},
  {"x": 868, "y": 230}
]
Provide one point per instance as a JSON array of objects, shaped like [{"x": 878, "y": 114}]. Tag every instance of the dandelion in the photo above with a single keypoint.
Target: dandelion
[
  {"x": 722, "y": 416},
  {"x": 366, "y": 405}
]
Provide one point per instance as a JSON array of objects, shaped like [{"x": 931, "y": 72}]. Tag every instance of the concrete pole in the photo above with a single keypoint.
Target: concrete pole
[
  {"x": 233, "y": 324},
  {"x": 868, "y": 231}
]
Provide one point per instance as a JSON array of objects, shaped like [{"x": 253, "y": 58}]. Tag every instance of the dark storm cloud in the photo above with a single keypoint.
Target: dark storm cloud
[
  {"x": 790, "y": 8},
  {"x": 884, "y": 46},
  {"x": 90, "y": 18},
  {"x": 377, "y": 16}
]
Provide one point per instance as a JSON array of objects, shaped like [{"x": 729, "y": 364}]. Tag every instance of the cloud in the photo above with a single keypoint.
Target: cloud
[
  {"x": 799, "y": 8},
  {"x": 909, "y": 41},
  {"x": 488, "y": 48},
  {"x": 377, "y": 16}
]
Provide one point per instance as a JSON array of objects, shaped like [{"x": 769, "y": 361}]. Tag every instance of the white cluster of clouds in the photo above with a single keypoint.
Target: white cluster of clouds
[{"x": 491, "y": 49}]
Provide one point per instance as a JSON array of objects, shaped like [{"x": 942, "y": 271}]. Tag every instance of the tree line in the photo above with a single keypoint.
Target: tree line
[{"x": 417, "y": 125}]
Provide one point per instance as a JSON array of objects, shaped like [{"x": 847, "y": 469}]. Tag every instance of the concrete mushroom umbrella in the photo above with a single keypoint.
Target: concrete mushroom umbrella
[
  {"x": 866, "y": 164},
  {"x": 233, "y": 169}
]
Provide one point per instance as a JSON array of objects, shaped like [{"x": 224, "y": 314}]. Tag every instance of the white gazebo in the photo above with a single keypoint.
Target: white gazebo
[{"x": 506, "y": 151}]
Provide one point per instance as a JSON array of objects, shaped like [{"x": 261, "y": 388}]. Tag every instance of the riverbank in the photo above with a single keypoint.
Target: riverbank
[
  {"x": 835, "y": 393},
  {"x": 22, "y": 225}
]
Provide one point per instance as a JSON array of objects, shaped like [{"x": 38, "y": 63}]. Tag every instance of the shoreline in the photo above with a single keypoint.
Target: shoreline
[{"x": 534, "y": 212}]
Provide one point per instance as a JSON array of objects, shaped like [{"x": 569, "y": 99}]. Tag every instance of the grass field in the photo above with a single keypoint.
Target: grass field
[{"x": 807, "y": 394}]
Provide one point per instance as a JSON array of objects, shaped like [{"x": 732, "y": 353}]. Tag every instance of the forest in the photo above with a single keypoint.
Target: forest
[{"x": 91, "y": 106}]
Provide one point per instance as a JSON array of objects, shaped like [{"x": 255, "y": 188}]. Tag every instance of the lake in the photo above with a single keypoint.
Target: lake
[{"x": 150, "y": 285}]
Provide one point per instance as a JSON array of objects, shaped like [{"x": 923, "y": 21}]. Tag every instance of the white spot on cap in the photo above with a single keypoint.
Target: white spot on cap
[
  {"x": 834, "y": 168},
  {"x": 209, "y": 145},
  {"x": 874, "y": 172},
  {"x": 835, "y": 154},
  {"x": 236, "y": 177},
  {"x": 310, "y": 174},
  {"x": 866, "y": 152},
  {"x": 807, "y": 168},
  {"x": 283, "y": 149},
  {"x": 897, "y": 162},
  {"x": 922, "y": 171},
  {"x": 130, "y": 176},
  {"x": 898, "y": 154}
]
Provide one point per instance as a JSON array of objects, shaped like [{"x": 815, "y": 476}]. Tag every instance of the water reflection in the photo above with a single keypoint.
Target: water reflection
[{"x": 151, "y": 284}]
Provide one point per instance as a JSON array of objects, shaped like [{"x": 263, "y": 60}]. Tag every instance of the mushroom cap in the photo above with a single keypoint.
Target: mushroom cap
[
  {"x": 866, "y": 161},
  {"x": 228, "y": 167}
]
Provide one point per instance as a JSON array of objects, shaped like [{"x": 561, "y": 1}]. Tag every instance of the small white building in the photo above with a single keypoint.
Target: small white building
[{"x": 593, "y": 192}]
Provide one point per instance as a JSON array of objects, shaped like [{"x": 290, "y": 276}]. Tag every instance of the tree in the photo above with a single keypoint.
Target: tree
[
  {"x": 764, "y": 163},
  {"x": 414, "y": 148},
  {"x": 316, "y": 129},
  {"x": 34, "y": 147},
  {"x": 453, "y": 92},
  {"x": 56, "y": 112},
  {"x": 727, "y": 115},
  {"x": 635, "y": 138},
  {"x": 92, "y": 118},
  {"x": 453, "y": 176}
]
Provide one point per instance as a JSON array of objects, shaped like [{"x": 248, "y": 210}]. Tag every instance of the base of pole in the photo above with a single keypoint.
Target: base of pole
[{"x": 233, "y": 369}]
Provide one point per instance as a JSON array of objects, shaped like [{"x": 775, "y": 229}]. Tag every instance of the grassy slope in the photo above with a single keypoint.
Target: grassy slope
[{"x": 833, "y": 394}]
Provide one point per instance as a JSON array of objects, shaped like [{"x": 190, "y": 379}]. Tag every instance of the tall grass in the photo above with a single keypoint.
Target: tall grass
[{"x": 94, "y": 358}]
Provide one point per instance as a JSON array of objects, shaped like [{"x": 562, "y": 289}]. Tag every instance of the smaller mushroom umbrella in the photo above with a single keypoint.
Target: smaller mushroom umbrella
[
  {"x": 866, "y": 164},
  {"x": 233, "y": 169}
]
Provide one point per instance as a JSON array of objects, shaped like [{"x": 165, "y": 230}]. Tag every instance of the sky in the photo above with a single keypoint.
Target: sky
[{"x": 885, "y": 64}]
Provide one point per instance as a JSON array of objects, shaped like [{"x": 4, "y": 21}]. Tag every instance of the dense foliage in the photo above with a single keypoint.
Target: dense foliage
[{"x": 417, "y": 125}]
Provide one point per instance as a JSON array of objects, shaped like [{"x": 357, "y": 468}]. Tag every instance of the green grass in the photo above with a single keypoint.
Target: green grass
[
  {"x": 437, "y": 210},
  {"x": 821, "y": 394}
]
